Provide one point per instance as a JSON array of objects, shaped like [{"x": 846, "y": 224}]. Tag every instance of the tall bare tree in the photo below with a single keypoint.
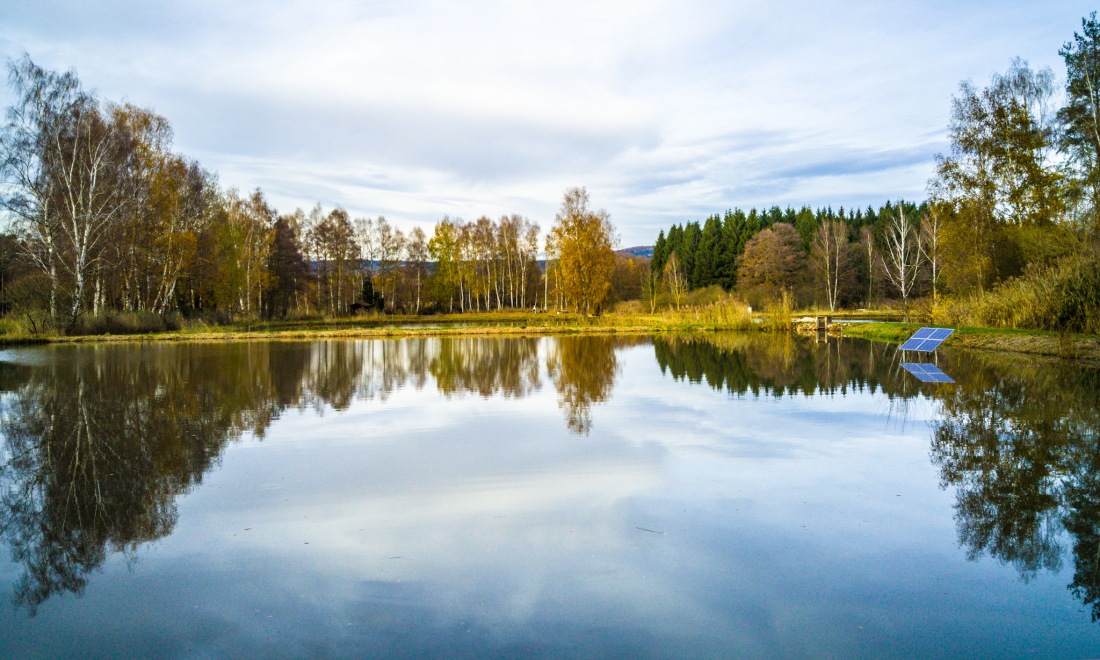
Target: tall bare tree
[
  {"x": 931, "y": 228},
  {"x": 675, "y": 280},
  {"x": 335, "y": 250},
  {"x": 69, "y": 165},
  {"x": 831, "y": 257},
  {"x": 417, "y": 249},
  {"x": 529, "y": 248},
  {"x": 390, "y": 243},
  {"x": 902, "y": 255},
  {"x": 867, "y": 246}
]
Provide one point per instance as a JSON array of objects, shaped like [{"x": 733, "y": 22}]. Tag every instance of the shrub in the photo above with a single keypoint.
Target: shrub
[
  {"x": 627, "y": 307},
  {"x": 1076, "y": 299},
  {"x": 779, "y": 314},
  {"x": 124, "y": 323},
  {"x": 726, "y": 313},
  {"x": 1062, "y": 298},
  {"x": 951, "y": 312},
  {"x": 710, "y": 295}
]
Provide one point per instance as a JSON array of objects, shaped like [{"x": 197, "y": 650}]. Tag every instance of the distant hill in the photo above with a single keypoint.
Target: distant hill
[{"x": 637, "y": 251}]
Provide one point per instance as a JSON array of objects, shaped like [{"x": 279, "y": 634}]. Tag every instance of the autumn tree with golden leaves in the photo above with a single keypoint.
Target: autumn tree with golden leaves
[{"x": 582, "y": 242}]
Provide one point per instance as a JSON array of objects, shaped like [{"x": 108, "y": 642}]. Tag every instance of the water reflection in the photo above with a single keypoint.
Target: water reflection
[
  {"x": 584, "y": 370},
  {"x": 477, "y": 364},
  {"x": 99, "y": 442},
  {"x": 1019, "y": 444},
  {"x": 98, "y": 445},
  {"x": 1017, "y": 440},
  {"x": 779, "y": 365}
]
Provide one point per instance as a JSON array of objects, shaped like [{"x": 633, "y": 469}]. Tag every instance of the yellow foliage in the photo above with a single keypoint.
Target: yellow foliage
[{"x": 582, "y": 243}]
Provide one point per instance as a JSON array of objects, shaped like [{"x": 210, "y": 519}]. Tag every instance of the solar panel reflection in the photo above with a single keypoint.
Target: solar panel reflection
[
  {"x": 926, "y": 340},
  {"x": 927, "y": 373}
]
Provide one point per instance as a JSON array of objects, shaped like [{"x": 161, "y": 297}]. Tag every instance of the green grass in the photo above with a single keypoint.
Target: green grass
[
  {"x": 890, "y": 332},
  {"x": 898, "y": 332},
  {"x": 721, "y": 315},
  {"x": 1080, "y": 347},
  {"x": 718, "y": 314}
]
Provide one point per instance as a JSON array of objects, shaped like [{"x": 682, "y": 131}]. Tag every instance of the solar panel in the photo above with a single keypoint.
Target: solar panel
[
  {"x": 927, "y": 373},
  {"x": 927, "y": 340}
]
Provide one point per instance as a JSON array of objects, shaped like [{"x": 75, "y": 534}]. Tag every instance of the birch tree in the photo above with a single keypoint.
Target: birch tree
[
  {"x": 675, "y": 280},
  {"x": 867, "y": 247},
  {"x": 443, "y": 249},
  {"x": 417, "y": 248},
  {"x": 831, "y": 257},
  {"x": 390, "y": 245},
  {"x": 902, "y": 255},
  {"x": 931, "y": 227},
  {"x": 36, "y": 121},
  {"x": 529, "y": 259},
  {"x": 68, "y": 162},
  {"x": 335, "y": 250}
]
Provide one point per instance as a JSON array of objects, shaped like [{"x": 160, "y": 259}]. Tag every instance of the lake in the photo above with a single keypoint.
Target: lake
[{"x": 719, "y": 495}]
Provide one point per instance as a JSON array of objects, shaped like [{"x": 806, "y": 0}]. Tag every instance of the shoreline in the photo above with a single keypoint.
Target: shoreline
[{"x": 1081, "y": 348}]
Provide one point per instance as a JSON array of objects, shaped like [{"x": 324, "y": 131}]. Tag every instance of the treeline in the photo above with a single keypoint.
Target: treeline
[
  {"x": 109, "y": 221},
  {"x": 107, "y": 217},
  {"x": 334, "y": 265},
  {"x": 760, "y": 253},
  {"x": 1009, "y": 236}
]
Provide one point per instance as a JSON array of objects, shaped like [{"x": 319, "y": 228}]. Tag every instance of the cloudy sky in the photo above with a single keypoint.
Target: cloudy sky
[{"x": 665, "y": 110}]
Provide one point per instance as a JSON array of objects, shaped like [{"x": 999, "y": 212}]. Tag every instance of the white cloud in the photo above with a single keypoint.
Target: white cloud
[{"x": 666, "y": 111}]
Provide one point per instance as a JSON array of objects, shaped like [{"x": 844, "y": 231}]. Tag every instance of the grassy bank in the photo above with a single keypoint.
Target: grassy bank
[
  {"x": 504, "y": 323},
  {"x": 1035, "y": 342},
  {"x": 719, "y": 316}
]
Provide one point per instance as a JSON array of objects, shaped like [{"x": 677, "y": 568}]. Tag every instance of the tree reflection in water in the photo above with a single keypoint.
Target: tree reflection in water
[
  {"x": 484, "y": 365},
  {"x": 1019, "y": 442},
  {"x": 99, "y": 441},
  {"x": 584, "y": 370},
  {"x": 1017, "y": 439},
  {"x": 778, "y": 365}
]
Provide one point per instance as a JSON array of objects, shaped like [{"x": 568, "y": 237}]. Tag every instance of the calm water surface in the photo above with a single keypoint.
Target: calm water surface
[{"x": 581, "y": 496}]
